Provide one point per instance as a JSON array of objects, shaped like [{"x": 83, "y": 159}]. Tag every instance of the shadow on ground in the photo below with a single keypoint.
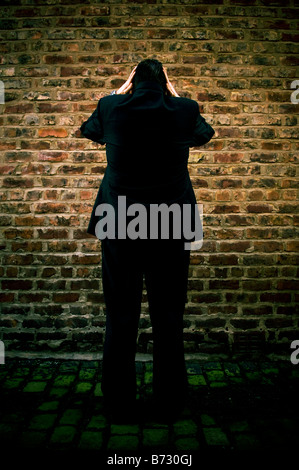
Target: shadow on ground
[{"x": 239, "y": 408}]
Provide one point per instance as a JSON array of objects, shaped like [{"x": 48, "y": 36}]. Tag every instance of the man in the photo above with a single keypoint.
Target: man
[{"x": 148, "y": 130}]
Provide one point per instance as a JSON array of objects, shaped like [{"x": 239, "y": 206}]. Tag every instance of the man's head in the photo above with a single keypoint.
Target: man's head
[{"x": 150, "y": 70}]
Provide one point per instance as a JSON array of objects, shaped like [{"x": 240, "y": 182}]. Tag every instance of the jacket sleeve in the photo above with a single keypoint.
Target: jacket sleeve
[
  {"x": 92, "y": 128},
  {"x": 203, "y": 132}
]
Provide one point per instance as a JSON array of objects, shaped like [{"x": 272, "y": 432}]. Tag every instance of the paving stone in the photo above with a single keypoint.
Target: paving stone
[
  {"x": 69, "y": 366},
  {"x": 90, "y": 365},
  {"x": 58, "y": 392},
  {"x": 215, "y": 437},
  {"x": 295, "y": 374},
  {"x": 248, "y": 365},
  {"x": 139, "y": 366},
  {"x": 246, "y": 441},
  {"x": 187, "y": 444},
  {"x": 148, "y": 377},
  {"x": 156, "y": 425},
  {"x": 8, "y": 431},
  {"x": 266, "y": 381},
  {"x": 155, "y": 437},
  {"x": 185, "y": 427},
  {"x": 91, "y": 440},
  {"x": 87, "y": 374},
  {"x": 43, "y": 372},
  {"x": 13, "y": 417},
  {"x": 231, "y": 369},
  {"x": 35, "y": 387},
  {"x": 210, "y": 365},
  {"x": 42, "y": 421},
  {"x": 124, "y": 429},
  {"x": 63, "y": 435},
  {"x": 239, "y": 426},
  {"x": 42, "y": 376},
  {"x": 49, "y": 405},
  {"x": 20, "y": 372},
  {"x": 97, "y": 422},
  {"x": 207, "y": 420},
  {"x": 269, "y": 369},
  {"x": 123, "y": 443},
  {"x": 254, "y": 376},
  {"x": 14, "y": 383},
  {"x": 71, "y": 416},
  {"x": 33, "y": 439},
  {"x": 236, "y": 380},
  {"x": 83, "y": 387},
  {"x": 3, "y": 375},
  {"x": 64, "y": 380},
  {"x": 215, "y": 375},
  {"x": 194, "y": 368},
  {"x": 195, "y": 380},
  {"x": 98, "y": 391},
  {"x": 218, "y": 384}
]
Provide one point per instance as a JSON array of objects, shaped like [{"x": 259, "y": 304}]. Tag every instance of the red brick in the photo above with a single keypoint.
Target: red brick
[
  {"x": 7, "y": 145},
  {"x": 25, "y": 259},
  {"x": 292, "y": 245},
  {"x": 53, "y": 108},
  {"x": 67, "y": 95},
  {"x": 66, "y": 297},
  {"x": 224, "y": 284},
  {"x": 53, "y": 156},
  {"x": 288, "y": 284},
  {"x": 19, "y": 108},
  {"x": 49, "y": 272},
  {"x": 242, "y": 245},
  {"x": 76, "y": 53},
  {"x": 9, "y": 297},
  {"x": 16, "y": 233},
  {"x": 16, "y": 284},
  {"x": 45, "y": 207},
  {"x": 52, "y": 132},
  {"x": 29, "y": 220},
  {"x": 33, "y": 297},
  {"x": 228, "y": 157},
  {"x": 259, "y": 208},
  {"x": 86, "y": 259},
  {"x": 58, "y": 59}
]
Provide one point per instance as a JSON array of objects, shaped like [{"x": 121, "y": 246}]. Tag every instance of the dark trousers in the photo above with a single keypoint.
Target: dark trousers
[{"x": 164, "y": 265}]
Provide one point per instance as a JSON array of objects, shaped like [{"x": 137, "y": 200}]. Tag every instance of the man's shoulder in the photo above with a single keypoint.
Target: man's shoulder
[
  {"x": 109, "y": 101},
  {"x": 113, "y": 98},
  {"x": 183, "y": 102}
]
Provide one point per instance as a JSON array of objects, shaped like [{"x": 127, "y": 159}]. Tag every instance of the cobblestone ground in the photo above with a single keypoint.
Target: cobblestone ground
[{"x": 241, "y": 407}]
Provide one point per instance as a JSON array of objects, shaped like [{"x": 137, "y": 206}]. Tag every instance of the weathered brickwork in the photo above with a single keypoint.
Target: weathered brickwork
[{"x": 238, "y": 59}]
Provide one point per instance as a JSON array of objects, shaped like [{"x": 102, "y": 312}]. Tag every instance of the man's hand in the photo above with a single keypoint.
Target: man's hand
[
  {"x": 169, "y": 85},
  {"x": 126, "y": 87}
]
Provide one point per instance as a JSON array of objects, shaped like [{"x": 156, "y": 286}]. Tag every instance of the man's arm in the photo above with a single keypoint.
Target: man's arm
[
  {"x": 92, "y": 128},
  {"x": 203, "y": 132}
]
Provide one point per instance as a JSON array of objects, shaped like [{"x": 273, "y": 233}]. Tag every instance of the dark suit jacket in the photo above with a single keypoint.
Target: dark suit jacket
[{"x": 147, "y": 136}]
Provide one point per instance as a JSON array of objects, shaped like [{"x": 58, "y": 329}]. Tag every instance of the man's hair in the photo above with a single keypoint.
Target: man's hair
[{"x": 150, "y": 70}]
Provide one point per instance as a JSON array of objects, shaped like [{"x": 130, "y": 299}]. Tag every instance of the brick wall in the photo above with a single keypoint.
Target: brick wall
[{"x": 238, "y": 59}]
